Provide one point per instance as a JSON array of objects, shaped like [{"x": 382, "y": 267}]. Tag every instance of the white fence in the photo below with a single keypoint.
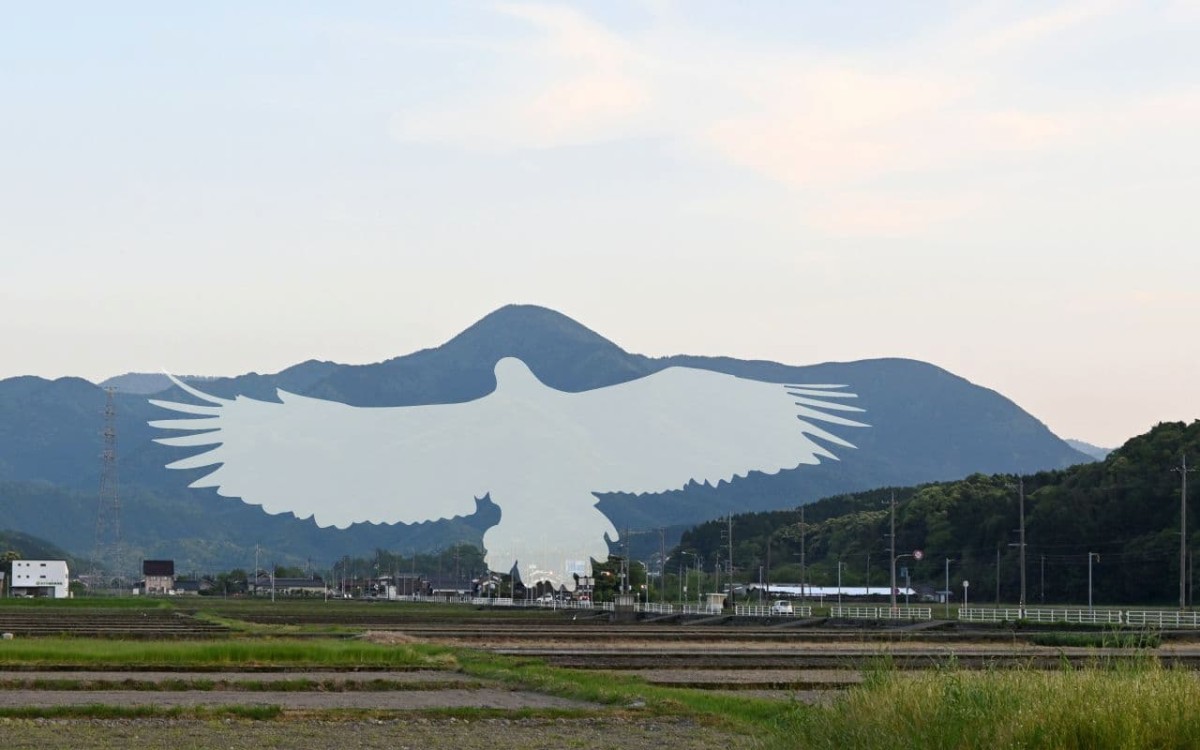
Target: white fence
[
  {"x": 757, "y": 610},
  {"x": 1162, "y": 618},
  {"x": 658, "y": 609},
  {"x": 701, "y": 609},
  {"x": 858, "y": 612},
  {"x": 1078, "y": 616}
]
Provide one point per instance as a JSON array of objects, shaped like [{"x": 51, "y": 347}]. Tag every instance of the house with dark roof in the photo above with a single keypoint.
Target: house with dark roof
[{"x": 158, "y": 576}]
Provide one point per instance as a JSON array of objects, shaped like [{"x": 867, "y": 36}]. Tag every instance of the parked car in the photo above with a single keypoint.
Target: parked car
[{"x": 782, "y": 607}]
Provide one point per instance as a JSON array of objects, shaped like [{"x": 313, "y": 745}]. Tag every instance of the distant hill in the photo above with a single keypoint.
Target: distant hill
[
  {"x": 35, "y": 548},
  {"x": 147, "y": 383},
  {"x": 926, "y": 424},
  {"x": 1088, "y": 449},
  {"x": 1124, "y": 509}
]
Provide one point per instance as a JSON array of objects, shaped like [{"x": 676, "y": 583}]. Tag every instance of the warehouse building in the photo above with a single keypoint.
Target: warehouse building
[{"x": 45, "y": 578}]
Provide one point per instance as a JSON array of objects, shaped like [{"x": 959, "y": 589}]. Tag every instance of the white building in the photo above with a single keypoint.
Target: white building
[{"x": 40, "y": 578}]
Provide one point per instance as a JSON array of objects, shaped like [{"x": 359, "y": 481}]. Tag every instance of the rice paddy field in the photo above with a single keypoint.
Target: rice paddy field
[{"x": 246, "y": 673}]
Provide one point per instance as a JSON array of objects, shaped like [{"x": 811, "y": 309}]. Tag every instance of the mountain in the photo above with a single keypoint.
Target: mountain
[
  {"x": 146, "y": 383},
  {"x": 926, "y": 425},
  {"x": 34, "y": 548},
  {"x": 1124, "y": 511},
  {"x": 1088, "y": 449}
]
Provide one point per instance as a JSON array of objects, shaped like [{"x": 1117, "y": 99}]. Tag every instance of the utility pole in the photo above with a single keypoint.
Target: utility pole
[
  {"x": 1090, "y": 556},
  {"x": 770, "y": 538},
  {"x": 1021, "y": 492},
  {"x": 947, "y": 588},
  {"x": 1043, "y": 589},
  {"x": 662, "y": 563},
  {"x": 803, "y": 568},
  {"x": 1183, "y": 472},
  {"x": 839, "y": 562},
  {"x": 625, "y": 563},
  {"x": 729, "y": 520},
  {"x": 893, "y": 557},
  {"x": 997, "y": 576}
]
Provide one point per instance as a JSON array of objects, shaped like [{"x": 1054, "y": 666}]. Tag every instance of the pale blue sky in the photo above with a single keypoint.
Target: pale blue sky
[{"x": 1006, "y": 190}]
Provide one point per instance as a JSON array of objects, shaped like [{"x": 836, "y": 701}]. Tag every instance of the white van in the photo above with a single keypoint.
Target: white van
[{"x": 782, "y": 607}]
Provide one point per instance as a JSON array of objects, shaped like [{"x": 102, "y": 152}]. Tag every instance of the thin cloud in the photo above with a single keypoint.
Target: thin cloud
[{"x": 809, "y": 121}]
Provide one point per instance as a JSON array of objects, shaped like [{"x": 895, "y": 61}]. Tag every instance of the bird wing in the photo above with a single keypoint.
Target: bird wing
[
  {"x": 679, "y": 424},
  {"x": 339, "y": 464}
]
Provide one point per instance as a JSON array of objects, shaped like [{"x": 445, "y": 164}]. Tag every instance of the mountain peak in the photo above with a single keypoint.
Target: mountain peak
[{"x": 533, "y": 334}]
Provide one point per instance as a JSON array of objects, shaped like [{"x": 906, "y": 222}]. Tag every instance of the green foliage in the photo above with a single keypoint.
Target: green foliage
[
  {"x": 64, "y": 652},
  {"x": 1125, "y": 508}
]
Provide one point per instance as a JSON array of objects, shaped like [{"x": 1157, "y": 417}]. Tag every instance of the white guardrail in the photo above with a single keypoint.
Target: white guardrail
[
  {"x": 1158, "y": 618},
  {"x": 759, "y": 610},
  {"x": 1012, "y": 614},
  {"x": 881, "y": 613},
  {"x": 1162, "y": 618}
]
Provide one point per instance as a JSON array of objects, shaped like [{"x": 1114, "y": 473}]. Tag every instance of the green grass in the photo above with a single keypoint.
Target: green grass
[
  {"x": 1106, "y": 639},
  {"x": 125, "y": 604},
  {"x": 1147, "y": 706},
  {"x": 100, "y": 711},
  {"x": 281, "y": 652},
  {"x": 298, "y": 685}
]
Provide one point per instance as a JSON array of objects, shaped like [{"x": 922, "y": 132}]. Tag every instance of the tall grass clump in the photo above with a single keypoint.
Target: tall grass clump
[{"x": 1144, "y": 706}]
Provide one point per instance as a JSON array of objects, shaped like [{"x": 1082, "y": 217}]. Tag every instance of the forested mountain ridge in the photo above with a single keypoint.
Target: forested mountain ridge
[
  {"x": 1125, "y": 509},
  {"x": 925, "y": 424}
]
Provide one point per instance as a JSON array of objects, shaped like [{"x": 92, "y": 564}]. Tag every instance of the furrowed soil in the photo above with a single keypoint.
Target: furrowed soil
[{"x": 423, "y": 734}]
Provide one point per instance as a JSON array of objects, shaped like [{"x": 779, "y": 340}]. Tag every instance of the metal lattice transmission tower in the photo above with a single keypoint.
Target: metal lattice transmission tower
[{"x": 106, "y": 556}]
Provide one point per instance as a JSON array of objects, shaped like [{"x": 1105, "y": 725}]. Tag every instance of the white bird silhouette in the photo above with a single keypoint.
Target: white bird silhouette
[{"x": 540, "y": 453}]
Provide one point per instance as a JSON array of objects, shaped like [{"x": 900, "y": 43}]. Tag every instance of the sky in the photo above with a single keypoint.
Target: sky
[{"x": 1005, "y": 190}]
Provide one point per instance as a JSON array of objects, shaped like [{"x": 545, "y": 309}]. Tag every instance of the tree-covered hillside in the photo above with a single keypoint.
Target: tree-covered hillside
[
  {"x": 1124, "y": 509},
  {"x": 20, "y": 546}
]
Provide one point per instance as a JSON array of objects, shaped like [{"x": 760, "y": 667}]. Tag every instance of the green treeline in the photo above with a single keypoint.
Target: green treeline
[{"x": 1125, "y": 509}]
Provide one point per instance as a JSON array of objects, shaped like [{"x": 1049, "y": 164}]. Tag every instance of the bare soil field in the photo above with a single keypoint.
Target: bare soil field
[
  {"x": 420, "y": 734},
  {"x": 294, "y": 700}
]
